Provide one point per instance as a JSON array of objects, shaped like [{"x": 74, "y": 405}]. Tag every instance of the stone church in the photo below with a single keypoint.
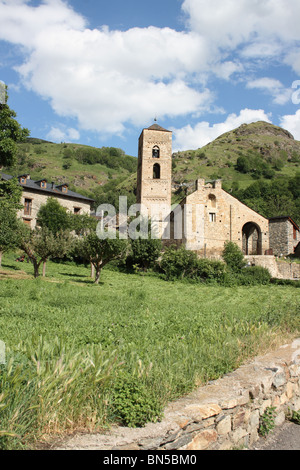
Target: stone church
[{"x": 206, "y": 218}]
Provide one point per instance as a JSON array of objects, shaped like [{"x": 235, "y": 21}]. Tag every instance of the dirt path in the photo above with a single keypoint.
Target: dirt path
[{"x": 286, "y": 437}]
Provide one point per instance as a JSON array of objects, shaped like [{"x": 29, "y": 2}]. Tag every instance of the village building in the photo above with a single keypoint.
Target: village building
[
  {"x": 36, "y": 193},
  {"x": 284, "y": 235},
  {"x": 208, "y": 216}
]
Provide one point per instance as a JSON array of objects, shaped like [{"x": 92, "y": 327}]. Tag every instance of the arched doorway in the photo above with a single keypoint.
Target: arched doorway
[{"x": 252, "y": 241}]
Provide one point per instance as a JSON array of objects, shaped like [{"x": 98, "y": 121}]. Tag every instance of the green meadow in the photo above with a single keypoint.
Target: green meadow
[{"x": 81, "y": 356}]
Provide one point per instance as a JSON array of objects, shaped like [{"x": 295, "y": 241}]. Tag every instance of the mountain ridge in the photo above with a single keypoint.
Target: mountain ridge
[{"x": 252, "y": 153}]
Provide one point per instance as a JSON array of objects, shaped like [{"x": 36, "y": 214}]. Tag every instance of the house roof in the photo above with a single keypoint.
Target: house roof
[
  {"x": 285, "y": 217},
  {"x": 50, "y": 188}
]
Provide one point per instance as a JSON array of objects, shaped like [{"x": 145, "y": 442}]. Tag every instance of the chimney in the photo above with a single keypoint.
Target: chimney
[{"x": 200, "y": 183}]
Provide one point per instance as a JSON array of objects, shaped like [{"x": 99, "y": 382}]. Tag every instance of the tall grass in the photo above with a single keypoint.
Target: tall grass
[
  {"x": 46, "y": 388},
  {"x": 81, "y": 356}
]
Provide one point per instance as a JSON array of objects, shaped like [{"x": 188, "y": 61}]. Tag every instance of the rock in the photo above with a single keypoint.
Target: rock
[{"x": 203, "y": 440}]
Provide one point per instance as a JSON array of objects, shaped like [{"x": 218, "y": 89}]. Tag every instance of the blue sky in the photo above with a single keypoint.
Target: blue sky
[{"x": 97, "y": 72}]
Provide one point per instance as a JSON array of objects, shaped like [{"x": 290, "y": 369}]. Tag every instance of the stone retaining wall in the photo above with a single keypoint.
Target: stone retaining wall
[
  {"x": 278, "y": 269},
  {"x": 225, "y": 414}
]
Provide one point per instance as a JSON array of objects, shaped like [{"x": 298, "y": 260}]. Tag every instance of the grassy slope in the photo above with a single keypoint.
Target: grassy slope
[
  {"x": 215, "y": 160},
  {"x": 42, "y": 159},
  {"x": 172, "y": 316},
  {"x": 172, "y": 335}
]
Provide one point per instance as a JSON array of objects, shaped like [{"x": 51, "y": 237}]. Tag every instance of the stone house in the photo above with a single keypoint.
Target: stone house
[
  {"x": 36, "y": 193},
  {"x": 205, "y": 219},
  {"x": 284, "y": 235}
]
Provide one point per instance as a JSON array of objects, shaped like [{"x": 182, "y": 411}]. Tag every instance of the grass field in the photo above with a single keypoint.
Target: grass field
[{"x": 81, "y": 356}]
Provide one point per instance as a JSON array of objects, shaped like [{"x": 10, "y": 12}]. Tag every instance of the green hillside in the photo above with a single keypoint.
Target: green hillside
[
  {"x": 86, "y": 169},
  {"x": 258, "y": 163},
  {"x": 271, "y": 150}
]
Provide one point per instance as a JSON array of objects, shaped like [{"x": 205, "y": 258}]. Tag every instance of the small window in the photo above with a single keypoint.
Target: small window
[
  {"x": 77, "y": 210},
  {"x": 64, "y": 189},
  {"x": 156, "y": 171},
  {"x": 294, "y": 233},
  {"x": 212, "y": 217},
  {"x": 27, "y": 206},
  {"x": 23, "y": 180},
  {"x": 155, "y": 152},
  {"x": 43, "y": 184}
]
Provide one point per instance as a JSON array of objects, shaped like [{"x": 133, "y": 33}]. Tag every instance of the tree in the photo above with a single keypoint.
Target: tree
[
  {"x": 243, "y": 164},
  {"x": 10, "y": 133},
  {"x": 82, "y": 223},
  {"x": 10, "y": 195},
  {"x": 54, "y": 216},
  {"x": 41, "y": 244},
  {"x": 8, "y": 229},
  {"x": 99, "y": 252}
]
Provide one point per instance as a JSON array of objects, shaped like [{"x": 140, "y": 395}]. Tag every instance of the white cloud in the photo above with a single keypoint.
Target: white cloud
[
  {"x": 196, "y": 137},
  {"x": 274, "y": 87},
  {"x": 253, "y": 28},
  {"x": 106, "y": 79},
  {"x": 292, "y": 124},
  {"x": 57, "y": 134},
  {"x": 230, "y": 23}
]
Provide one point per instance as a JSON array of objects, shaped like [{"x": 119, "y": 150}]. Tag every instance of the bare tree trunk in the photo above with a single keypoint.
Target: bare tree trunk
[
  {"x": 92, "y": 271},
  {"x": 98, "y": 272},
  {"x": 1, "y": 258},
  {"x": 44, "y": 268},
  {"x": 36, "y": 268}
]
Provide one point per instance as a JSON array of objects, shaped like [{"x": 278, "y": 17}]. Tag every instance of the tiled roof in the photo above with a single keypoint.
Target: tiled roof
[
  {"x": 156, "y": 127},
  {"x": 285, "y": 217},
  {"x": 50, "y": 188}
]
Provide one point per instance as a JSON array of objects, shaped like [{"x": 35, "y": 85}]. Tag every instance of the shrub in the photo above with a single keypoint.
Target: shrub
[
  {"x": 210, "y": 269},
  {"x": 184, "y": 264},
  {"x": 133, "y": 402},
  {"x": 178, "y": 264},
  {"x": 285, "y": 282},
  {"x": 255, "y": 275},
  {"x": 144, "y": 253},
  {"x": 233, "y": 257},
  {"x": 267, "y": 421}
]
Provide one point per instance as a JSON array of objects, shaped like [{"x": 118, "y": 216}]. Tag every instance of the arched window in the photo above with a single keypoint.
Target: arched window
[
  {"x": 212, "y": 200},
  {"x": 155, "y": 152},
  {"x": 156, "y": 171}
]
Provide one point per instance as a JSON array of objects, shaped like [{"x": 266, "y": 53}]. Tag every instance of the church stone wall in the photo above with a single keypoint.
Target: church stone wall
[{"x": 218, "y": 217}]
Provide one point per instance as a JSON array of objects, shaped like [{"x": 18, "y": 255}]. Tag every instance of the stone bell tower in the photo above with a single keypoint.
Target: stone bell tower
[{"x": 154, "y": 174}]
